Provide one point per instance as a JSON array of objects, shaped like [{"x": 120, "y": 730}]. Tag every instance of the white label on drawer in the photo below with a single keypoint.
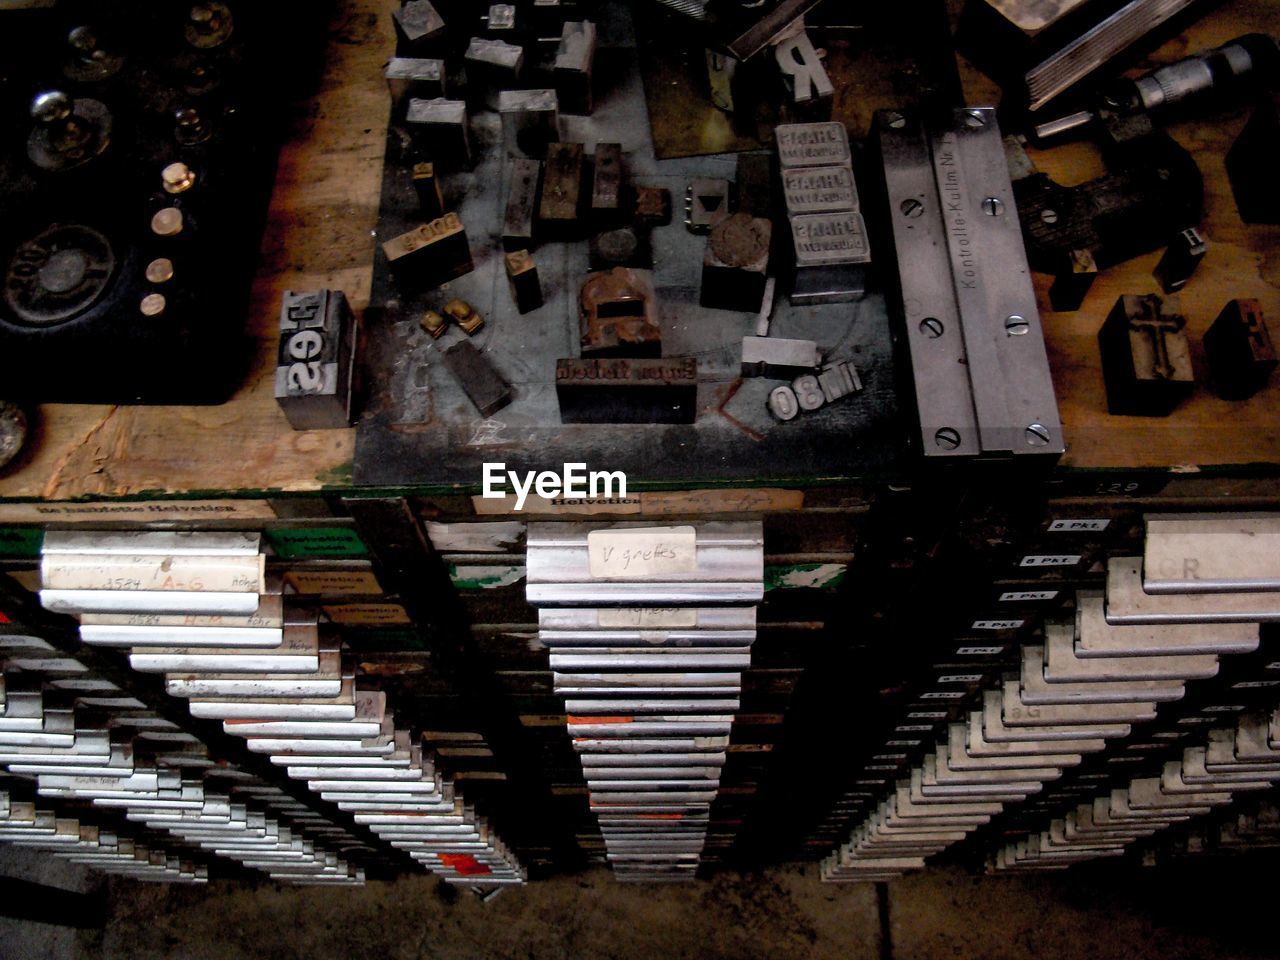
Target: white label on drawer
[
  {"x": 1050, "y": 560},
  {"x": 997, "y": 624},
  {"x": 1223, "y": 708},
  {"x": 943, "y": 695},
  {"x": 648, "y": 617},
  {"x": 902, "y": 743},
  {"x": 1078, "y": 526},
  {"x": 960, "y": 678},
  {"x": 927, "y": 715},
  {"x": 978, "y": 651},
  {"x": 913, "y": 728},
  {"x": 881, "y": 766},
  {"x": 643, "y": 552},
  {"x": 1188, "y": 721},
  {"x": 1021, "y": 596},
  {"x": 1254, "y": 684}
]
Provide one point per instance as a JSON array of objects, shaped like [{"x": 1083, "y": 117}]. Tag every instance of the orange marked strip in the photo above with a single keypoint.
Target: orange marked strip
[
  {"x": 465, "y": 864},
  {"x": 602, "y": 719}
]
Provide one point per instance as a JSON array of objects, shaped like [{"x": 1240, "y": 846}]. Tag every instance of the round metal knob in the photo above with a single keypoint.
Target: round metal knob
[
  {"x": 51, "y": 107},
  {"x": 82, "y": 39}
]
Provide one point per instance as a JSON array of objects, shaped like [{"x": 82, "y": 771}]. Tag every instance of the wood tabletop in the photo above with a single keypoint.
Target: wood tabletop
[{"x": 319, "y": 234}]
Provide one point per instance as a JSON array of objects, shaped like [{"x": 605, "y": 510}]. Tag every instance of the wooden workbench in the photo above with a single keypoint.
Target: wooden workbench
[{"x": 320, "y": 235}]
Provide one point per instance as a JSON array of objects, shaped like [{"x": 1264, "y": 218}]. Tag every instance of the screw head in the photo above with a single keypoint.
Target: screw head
[
  {"x": 152, "y": 305},
  {"x": 167, "y": 222},
  {"x": 160, "y": 270},
  {"x": 931, "y": 327},
  {"x": 975, "y": 119},
  {"x": 1037, "y": 435},
  {"x": 51, "y": 106},
  {"x": 1016, "y": 325},
  {"x": 911, "y": 207},
  {"x": 993, "y": 207},
  {"x": 1049, "y": 216},
  {"x": 177, "y": 178},
  {"x": 82, "y": 39},
  {"x": 947, "y": 438}
]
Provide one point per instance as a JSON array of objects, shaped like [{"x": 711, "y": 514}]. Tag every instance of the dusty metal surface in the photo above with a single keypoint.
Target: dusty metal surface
[{"x": 419, "y": 427}]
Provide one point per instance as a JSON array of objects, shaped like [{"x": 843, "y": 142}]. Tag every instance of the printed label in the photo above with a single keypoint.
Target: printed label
[
  {"x": 1022, "y": 596},
  {"x": 186, "y": 510},
  {"x": 1051, "y": 560},
  {"x": 1078, "y": 526}
]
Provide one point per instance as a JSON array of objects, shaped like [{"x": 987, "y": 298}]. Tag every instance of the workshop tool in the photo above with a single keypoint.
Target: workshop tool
[{"x": 963, "y": 292}]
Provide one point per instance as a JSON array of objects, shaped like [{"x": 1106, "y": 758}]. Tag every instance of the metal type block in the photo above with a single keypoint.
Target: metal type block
[
  {"x": 480, "y": 380},
  {"x": 430, "y": 254},
  {"x": 1240, "y": 350},
  {"x": 619, "y": 390},
  {"x": 736, "y": 264},
  {"x": 522, "y": 205},
  {"x": 530, "y": 121},
  {"x": 522, "y": 278},
  {"x": 417, "y": 23},
  {"x": 617, "y": 315},
  {"x": 315, "y": 368},
  {"x": 574, "y": 67},
  {"x": 560, "y": 208},
  {"x": 811, "y": 144},
  {"x": 1146, "y": 359},
  {"x": 442, "y": 130},
  {"x": 608, "y": 195},
  {"x": 777, "y": 358},
  {"x": 426, "y": 184},
  {"x": 1180, "y": 260},
  {"x": 411, "y": 78},
  {"x": 706, "y": 203}
]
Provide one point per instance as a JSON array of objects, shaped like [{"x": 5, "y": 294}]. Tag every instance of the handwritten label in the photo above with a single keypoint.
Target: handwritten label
[
  {"x": 648, "y": 617},
  {"x": 642, "y": 552},
  {"x": 96, "y": 572}
]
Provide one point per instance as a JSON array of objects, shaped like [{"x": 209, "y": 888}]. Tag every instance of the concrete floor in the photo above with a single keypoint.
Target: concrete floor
[{"x": 1099, "y": 914}]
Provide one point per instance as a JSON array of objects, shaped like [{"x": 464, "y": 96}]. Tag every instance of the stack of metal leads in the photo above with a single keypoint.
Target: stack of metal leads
[
  {"x": 1203, "y": 586},
  {"x": 22, "y": 824},
  {"x": 85, "y": 762},
  {"x": 1199, "y": 592},
  {"x": 649, "y": 630},
  {"x": 242, "y": 657},
  {"x": 1232, "y": 760}
]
